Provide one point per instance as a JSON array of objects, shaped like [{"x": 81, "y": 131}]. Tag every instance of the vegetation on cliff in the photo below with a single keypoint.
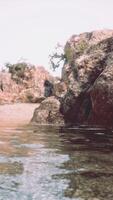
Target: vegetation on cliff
[
  {"x": 22, "y": 82},
  {"x": 19, "y": 71}
]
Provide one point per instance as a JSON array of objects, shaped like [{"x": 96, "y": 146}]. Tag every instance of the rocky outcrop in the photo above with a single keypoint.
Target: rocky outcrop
[
  {"x": 48, "y": 112},
  {"x": 88, "y": 74},
  {"x": 28, "y": 89},
  {"x": 102, "y": 98},
  {"x": 86, "y": 89}
]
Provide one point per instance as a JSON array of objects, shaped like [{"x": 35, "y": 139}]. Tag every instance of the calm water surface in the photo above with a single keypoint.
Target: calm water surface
[{"x": 55, "y": 163}]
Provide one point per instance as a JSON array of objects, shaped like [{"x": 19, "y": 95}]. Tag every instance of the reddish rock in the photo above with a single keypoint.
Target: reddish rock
[
  {"x": 88, "y": 73},
  {"x": 102, "y": 98},
  {"x": 29, "y": 89}
]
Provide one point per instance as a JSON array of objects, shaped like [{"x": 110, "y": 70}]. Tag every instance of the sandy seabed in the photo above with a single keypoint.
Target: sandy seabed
[{"x": 16, "y": 114}]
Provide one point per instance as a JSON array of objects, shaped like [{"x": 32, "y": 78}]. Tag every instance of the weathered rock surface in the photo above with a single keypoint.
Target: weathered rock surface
[
  {"x": 102, "y": 98},
  {"x": 29, "y": 89},
  {"x": 88, "y": 74},
  {"x": 60, "y": 88},
  {"x": 48, "y": 112}
]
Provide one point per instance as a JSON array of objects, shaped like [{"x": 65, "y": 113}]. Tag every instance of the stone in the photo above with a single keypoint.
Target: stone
[
  {"x": 48, "y": 112},
  {"x": 30, "y": 89},
  {"x": 87, "y": 73},
  {"x": 60, "y": 88}
]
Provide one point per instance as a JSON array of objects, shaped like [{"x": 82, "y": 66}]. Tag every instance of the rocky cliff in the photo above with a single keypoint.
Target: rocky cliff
[
  {"x": 88, "y": 76},
  {"x": 88, "y": 73}
]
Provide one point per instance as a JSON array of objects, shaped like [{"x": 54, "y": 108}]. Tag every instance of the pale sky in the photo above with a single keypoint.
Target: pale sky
[{"x": 30, "y": 29}]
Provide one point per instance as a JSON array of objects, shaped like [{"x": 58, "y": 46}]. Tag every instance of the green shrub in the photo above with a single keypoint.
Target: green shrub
[
  {"x": 69, "y": 54},
  {"x": 17, "y": 71}
]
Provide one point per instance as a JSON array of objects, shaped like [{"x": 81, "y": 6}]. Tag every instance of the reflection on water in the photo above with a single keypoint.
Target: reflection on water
[{"x": 56, "y": 163}]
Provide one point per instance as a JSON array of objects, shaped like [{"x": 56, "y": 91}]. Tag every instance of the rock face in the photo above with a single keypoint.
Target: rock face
[
  {"x": 48, "y": 112},
  {"x": 88, "y": 74},
  {"x": 29, "y": 89}
]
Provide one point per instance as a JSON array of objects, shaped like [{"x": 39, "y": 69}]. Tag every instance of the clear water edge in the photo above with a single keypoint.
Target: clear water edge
[{"x": 56, "y": 163}]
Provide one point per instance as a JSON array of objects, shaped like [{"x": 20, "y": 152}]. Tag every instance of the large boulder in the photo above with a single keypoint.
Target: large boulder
[
  {"x": 88, "y": 74},
  {"x": 48, "y": 112}
]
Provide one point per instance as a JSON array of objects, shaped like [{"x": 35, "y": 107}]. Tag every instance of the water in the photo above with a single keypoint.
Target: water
[{"x": 55, "y": 163}]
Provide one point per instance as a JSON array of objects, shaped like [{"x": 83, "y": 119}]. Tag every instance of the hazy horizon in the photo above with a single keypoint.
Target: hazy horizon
[{"x": 30, "y": 29}]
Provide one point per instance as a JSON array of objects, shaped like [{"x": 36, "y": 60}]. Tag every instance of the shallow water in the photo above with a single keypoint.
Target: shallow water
[{"x": 56, "y": 163}]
